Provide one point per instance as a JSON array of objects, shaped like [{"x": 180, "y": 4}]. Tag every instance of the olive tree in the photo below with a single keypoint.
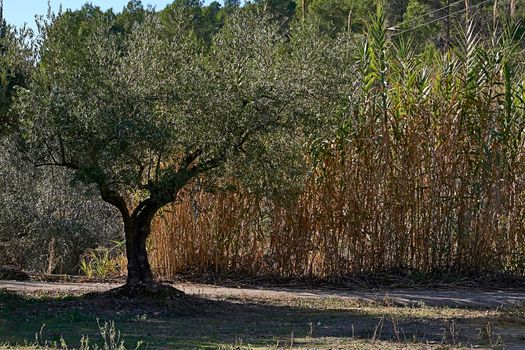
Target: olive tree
[{"x": 142, "y": 115}]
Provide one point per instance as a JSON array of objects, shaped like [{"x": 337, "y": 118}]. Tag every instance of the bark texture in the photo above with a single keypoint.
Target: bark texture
[{"x": 137, "y": 231}]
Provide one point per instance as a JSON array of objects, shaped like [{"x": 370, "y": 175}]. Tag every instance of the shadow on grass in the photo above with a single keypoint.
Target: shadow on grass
[{"x": 191, "y": 322}]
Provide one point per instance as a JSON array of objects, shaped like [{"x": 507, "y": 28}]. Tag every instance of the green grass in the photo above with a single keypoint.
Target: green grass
[{"x": 233, "y": 323}]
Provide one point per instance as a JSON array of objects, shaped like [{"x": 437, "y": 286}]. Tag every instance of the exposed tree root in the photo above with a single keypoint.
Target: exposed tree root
[{"x": 147, "y": 290}]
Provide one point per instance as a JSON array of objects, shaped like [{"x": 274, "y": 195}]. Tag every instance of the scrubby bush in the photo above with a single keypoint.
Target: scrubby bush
[{"x": 45, "y": 226}]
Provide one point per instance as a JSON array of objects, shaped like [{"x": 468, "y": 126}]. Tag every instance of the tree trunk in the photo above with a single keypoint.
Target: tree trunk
[
  {"x": 137, "y": 227},
  {"x": 137, "y": 231}
]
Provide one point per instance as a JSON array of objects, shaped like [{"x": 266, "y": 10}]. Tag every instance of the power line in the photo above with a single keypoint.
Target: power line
[
  {"x": 440, "y": 18},
  {"x": 430, "y": 13}
]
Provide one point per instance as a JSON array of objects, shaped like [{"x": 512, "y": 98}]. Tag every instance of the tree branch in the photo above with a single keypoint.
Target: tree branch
[
  {"x": 190, "y": 158},
  {"x": 68, "y": 165},
  {"x": 115, "y": 199}
]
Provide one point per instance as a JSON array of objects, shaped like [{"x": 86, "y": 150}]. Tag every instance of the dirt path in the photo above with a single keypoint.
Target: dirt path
[{"x": 451, "y": 298}]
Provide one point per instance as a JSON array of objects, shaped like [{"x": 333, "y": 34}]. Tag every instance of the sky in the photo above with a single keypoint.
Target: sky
[{"x": 18, "y": 12}]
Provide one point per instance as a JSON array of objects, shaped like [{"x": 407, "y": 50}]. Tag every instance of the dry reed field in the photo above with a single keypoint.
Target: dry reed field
[{"x": 425, "y": 173}]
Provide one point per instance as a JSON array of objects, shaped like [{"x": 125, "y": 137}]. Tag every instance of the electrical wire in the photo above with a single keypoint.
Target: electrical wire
[
  {"x": 431, "y": 12},
  {"x": 440, "y": 18}
]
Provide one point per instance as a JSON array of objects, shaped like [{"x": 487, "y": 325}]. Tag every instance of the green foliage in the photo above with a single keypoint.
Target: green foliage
[
  {"x": 416, "y": 16},
  {"x": 103, "y": 262},
  {"x": 333, "y": 15},
  {"x": 279, "y": 9},
  {"x": 132, "y": 13},
  {"x": 232, "y": 3},
  {"x": 15, "y": 68},
  {"x": 395, "y": 11},
  {"x": 141, "y": 114},
  {"x": 205, "y": 21}
]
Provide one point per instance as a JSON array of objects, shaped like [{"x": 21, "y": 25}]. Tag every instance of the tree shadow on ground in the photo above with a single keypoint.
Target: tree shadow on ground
[{"x": 190, "y": 322}]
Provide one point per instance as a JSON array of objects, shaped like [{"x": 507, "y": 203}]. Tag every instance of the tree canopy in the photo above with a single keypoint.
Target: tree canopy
[
  {"x": 15, "y": 67},
  {"x": 141, "y": 114}
]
